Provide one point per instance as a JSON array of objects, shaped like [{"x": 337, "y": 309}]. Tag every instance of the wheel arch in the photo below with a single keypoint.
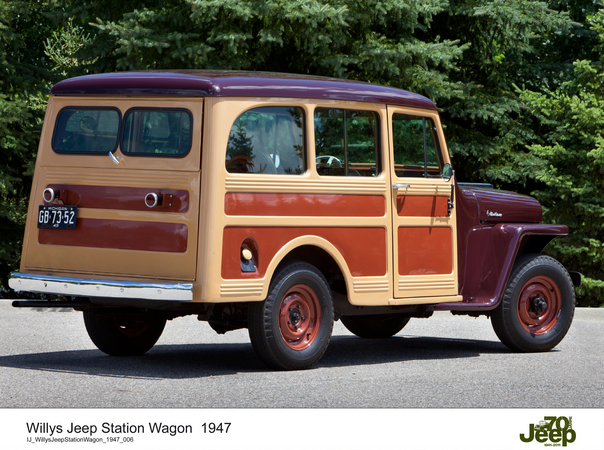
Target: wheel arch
[
  {"x": 317, "y": 252},
  {"x": 506, "y": 243},
  {"x": 521, "y": 241}
]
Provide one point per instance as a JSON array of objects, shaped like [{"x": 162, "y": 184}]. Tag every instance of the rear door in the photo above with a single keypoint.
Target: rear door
[
  {"x": 424, "y": 234},
  {"x": 131, "y": 166}
]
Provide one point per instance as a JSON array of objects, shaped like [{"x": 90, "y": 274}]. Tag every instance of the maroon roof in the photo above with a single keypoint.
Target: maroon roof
[{"x": 202, "y": 83}]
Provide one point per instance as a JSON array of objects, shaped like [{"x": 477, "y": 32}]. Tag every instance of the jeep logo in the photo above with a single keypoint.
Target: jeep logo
[{"x": 552, "y": 429}]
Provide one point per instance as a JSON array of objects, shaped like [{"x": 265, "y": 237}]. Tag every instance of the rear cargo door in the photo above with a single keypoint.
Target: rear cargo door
[{"x": 131, "y": 167}]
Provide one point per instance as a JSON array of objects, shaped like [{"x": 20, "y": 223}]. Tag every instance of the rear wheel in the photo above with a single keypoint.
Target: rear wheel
[
  {"x": 123, "y": 334},
  {"x": 537, "y": 307},
  {"x": 291, "y": 329},
  {"x": 375, "y": 327}
]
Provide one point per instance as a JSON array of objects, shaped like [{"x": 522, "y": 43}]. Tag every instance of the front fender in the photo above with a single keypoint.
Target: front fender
[{"x": 506, "y": 242}]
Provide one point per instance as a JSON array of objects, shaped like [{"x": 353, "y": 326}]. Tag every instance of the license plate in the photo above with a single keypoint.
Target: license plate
[{"x": 57, "y": 216}]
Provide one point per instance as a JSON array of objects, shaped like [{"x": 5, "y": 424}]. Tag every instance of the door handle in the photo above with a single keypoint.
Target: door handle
[
  {"x": 400, "y": 186},
  {"x": 114, "y": 159},
  {"x": 451, "y": 200}
]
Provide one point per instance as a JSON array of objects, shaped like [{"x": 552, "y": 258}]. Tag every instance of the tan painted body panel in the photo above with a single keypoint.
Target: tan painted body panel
[
  {"x": 132, "y": 173},
  {"x": 434, "y": 236},
  {"x": 377, "y": 289},
  {"x": 365, "y": 246}
]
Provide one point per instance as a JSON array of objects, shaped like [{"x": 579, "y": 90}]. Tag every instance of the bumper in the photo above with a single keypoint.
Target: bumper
[{"x": 100, "y": 288}]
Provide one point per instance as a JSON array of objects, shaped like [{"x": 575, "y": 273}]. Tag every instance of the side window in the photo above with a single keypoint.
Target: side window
[
  {"x": 346, "y": 142},
  {"x": 83, "y": 130},
  {"x": 161, "y": 132},
  {"x": 416, "y": 150},
  {"x": 268, "y": 140}
]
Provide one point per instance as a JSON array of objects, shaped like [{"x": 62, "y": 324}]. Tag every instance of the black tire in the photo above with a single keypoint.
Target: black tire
[
  {"x": 375, "y": 327},
  {"x": 126, "y": 335},
  {"x": 537, "y": 307},
  {"x": 298, "y": 296}
]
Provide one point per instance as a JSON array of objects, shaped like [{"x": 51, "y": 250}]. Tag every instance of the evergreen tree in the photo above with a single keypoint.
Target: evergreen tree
[
  {"x": 508, "y": 47},
  {"x": 24, "y": 83},
  {"x": 371, "y": 40},
  {"x": 492, "y": 66},
  {"x": 567, "y": 161}
]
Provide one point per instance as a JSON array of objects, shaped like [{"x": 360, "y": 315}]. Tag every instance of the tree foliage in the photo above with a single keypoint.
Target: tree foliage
[
  {"x": 24, "y": 82},
  {"x": 371, "y": 40},
  {"x": 567, "y": 159},
  {"x": 517, "y": 81}
]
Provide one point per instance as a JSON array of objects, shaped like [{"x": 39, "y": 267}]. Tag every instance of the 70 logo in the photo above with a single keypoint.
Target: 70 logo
[{"x": 553, "y": 429}]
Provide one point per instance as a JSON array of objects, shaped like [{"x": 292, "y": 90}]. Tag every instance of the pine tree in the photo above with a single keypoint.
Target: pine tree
[
  {"x": 24, "y": 84},
  {"x": 566, "y": 159}
]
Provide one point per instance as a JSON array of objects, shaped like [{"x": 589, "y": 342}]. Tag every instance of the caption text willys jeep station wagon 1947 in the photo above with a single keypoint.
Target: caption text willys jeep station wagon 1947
[{"x": 277, "y": 203}]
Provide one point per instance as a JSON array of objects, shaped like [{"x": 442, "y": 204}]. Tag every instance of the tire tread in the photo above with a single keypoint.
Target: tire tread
[
  {"x": 504, "y": 315},
  {"x": 262, "y": 336}
]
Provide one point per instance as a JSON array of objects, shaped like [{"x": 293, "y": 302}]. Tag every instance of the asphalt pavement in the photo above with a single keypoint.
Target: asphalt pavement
[{"x": 446, "y": 361}]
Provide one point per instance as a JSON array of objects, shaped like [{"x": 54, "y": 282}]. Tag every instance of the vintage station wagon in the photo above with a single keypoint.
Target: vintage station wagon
[{"x": 277, "y": 203}]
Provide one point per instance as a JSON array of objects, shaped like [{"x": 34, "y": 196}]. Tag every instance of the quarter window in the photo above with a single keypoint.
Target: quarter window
[
  {"x": 346, "y": 142},
  {"x": 416, "y": 150},
  {"x": 268, "y": 140},
  {"x": 163, "y": 132},
  {"x": 88, "y": 131}
]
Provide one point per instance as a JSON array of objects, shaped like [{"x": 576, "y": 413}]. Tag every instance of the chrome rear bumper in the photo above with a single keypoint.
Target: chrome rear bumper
[{"x": 100, "y": 288}]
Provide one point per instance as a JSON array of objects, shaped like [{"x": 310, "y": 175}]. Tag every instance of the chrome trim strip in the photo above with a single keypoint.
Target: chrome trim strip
[{"x": 101, "y": 288}]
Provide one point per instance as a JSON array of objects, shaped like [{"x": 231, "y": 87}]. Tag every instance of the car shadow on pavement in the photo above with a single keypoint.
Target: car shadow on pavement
[
  {"x": 203, "y": 360},
  {"x": 353, "y": 351}
]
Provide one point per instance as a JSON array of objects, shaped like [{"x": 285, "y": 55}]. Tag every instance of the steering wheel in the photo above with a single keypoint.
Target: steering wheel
[{"x": 330, "y": 161}]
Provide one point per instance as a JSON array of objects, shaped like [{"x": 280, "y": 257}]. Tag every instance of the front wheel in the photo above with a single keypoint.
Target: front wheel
[
  {"x": 375, "y": 327},
  {"x": 126, "y": 334},
  {"x": 291, "y": 329},
  {"x": 537, "y": 307}
]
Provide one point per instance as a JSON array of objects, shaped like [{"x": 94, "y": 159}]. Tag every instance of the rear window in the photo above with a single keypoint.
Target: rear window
[
  {"x": 157, "y": 132},
  {"x": 86, "y": 130}
]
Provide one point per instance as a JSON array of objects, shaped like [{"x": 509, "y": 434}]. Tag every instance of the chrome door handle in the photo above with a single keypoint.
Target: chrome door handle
[
  {"x": 114, "y": 159},
  {"x": 400, "y": 186}
]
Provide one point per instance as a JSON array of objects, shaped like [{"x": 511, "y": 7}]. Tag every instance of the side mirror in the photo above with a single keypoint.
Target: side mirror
[{"x": 447, "y": 172}]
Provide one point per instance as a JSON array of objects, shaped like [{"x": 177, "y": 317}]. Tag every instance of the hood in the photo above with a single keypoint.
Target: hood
[{"x": 505, "y": 206}]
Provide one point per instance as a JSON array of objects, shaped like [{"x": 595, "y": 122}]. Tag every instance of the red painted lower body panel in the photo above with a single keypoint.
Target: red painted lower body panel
[
  {"x": 318, "y": 205},
  {"x": 120, "y": 234},
  {"x": 425, "y": 250},
  {"x": 363, "y": 249}
]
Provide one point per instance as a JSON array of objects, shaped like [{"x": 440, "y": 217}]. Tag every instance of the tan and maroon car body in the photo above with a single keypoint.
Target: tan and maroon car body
[{"x": 388, "y": 240}]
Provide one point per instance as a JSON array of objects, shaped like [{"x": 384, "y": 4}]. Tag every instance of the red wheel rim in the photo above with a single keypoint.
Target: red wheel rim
[
  {"x": 299, "y": 317},
  {"x": 539, "y": 305}
]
